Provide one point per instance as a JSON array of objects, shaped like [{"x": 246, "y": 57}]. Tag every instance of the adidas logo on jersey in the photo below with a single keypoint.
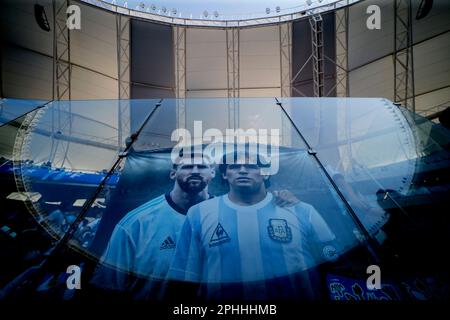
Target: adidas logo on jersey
[
  {"x": 219, "y": 236},
  {"x": 167, "y": 244}
]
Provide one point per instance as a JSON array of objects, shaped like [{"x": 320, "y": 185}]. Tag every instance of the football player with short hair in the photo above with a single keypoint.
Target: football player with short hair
[
  {"x": 243, "y": 246},
  {"x": 142, "y": 244}
]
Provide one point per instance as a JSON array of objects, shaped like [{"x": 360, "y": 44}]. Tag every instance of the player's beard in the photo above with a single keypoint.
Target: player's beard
[{"x": 192, "y": 186}]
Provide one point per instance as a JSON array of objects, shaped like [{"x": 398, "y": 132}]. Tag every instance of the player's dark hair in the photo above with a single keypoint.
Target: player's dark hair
[{"x": 224, "y": 165}]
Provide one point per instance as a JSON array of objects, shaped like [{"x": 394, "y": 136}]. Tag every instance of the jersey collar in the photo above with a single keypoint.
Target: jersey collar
[{"x": 176, "y": 207}]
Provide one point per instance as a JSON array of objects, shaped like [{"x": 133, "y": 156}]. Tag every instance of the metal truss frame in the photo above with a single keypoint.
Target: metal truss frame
[
  {"x": 285, "y": 31},
  {"x": 232, "y": 38},
  {"x": 404, "y": 88},
  {"x": 342, "y": 85},
  {"x": 318, "y": 56},
  {"x": 233, "y": 76},
  {"x": 61, "y": 51},
  {"x": 62, "y": 73},
  {"x": 316, "y": 23},
  {"x": 123, "y": 71},
  {"x": 179, "y": 41}
]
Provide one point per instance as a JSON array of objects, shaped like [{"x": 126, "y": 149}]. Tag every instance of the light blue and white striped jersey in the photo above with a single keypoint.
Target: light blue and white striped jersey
[
  {"x": 222, "y": 242},
  {"x": 143, "y": 242}
]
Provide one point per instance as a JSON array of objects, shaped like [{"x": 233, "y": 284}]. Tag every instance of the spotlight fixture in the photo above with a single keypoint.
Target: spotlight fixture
[
  {"x": 153, "y": 7},
  {"x": 142, "y": 6},
  {"x": 277, "y": 9},
  {"x": 205, "y": 14},
  {"x": 267, "y": 10},
  {"x": 424, "y": 9},
  {"x": 164, "y": 10},
  {"x": 41, "y": 17},
  {"x": 216, "y": 14},
  {"x": 174, "y": 11},
  {"x": 308, "y": 2}
]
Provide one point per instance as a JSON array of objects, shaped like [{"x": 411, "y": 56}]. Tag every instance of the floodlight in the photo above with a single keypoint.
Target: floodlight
[{"x": 41, "y": 17}]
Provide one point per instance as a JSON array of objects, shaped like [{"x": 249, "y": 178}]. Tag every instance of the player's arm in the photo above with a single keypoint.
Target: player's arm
[
  {"x": 319, "y": 228},
  {"x": 187, "y": 264},
  {"x": 322, "y": 240}
]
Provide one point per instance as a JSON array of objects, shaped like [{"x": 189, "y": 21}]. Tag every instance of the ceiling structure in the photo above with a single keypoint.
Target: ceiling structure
[{"x": 221, "y": 12}]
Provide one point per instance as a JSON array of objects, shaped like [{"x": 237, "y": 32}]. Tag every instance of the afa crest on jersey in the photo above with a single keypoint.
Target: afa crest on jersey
[{"x": 279, "y": 230}]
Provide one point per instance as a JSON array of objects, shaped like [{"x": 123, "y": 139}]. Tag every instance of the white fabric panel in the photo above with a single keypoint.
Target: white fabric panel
[
  {"x": 373, "y": 80},
  {"x": 90, "y": 85},
  {"x": 432, "y": 64},
  {"x": 95, "y": 45},
  {"x": 259, "y": 57},
  {"x": 90, "y": 121},
  {"x": 365, "y": 45},
  {"x": 99, "y": 118},
  {"x": 81, "y": 156},
  {"x": 26, "y": 74},
  {"x": 207, "y": 94},
  {"x": 8, "y": 138},
  {"x": 437, "y": 21},
  {"x": 206, "y": 59},
  {"x": 20, "y": 27},
  {"x": 426, "y": 103},
  {"x": 216, "y": 111},
  {"x": 254, "y": 93}
]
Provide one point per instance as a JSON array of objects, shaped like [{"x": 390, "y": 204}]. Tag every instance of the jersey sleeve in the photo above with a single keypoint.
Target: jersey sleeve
[
  {"x": 116, "y": 262},
  {"x": 187, "y": 264},
  {"x": 319, "y": 228}
]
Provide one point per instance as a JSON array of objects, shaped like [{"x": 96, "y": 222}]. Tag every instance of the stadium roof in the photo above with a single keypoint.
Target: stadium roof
[{"x": 221, "y": 13}]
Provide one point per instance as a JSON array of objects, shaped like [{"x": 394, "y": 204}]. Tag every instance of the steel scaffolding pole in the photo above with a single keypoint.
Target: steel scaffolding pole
[
  {"x": 123, "y": 70},
  {"x": 404, "y": 88},
  {"x": 316, "y": 24}
]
